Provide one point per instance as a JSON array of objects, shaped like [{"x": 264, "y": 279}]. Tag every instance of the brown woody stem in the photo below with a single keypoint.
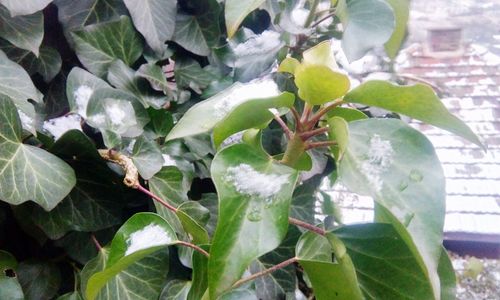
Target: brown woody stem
[
  {"x": 193, "y": 246},
  {"x": 306, "y": 226},
  {"x": 265, "y": 272}
]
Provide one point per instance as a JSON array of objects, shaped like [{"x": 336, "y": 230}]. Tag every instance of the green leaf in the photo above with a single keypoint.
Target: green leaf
[
  {"x": 346, "y": 113},
  {"x": 385, "y": 264},
  {"x": 321, "y": 54},
  {"x": 288, "y": 65},
  {"x": 189, "y": 74},
  {"x": 176, "y": 290},
  {"x": 155, "y": 76},
  {"x": 40, "y": 280},
  {"x": 25, "y": 32},
  {"x": 235, "y": 12},
  {"x": 80, "y": 86},
  {"x": 24, "y": 7},
  {"x": 143, "y": 279},
  {"x": 70, "y": 296},
  {"x": 200, "y": 275},
  {"x": 304, "y": 197},
  {"x": 367, "y": 24},
  {"x": 208, "y": 114},
  {"x": 254, "y": 198},
  {"x": 161, "y": 121},
  {"x": 27, "y": 172},
  {"x": 239, "y": 294},
  {"x": 319, "y": 84},
  {"x": 123, "y": 77},
  {"x": 194, "y": 217},
  {"x": 97, "y": 46},
  {"x": 116, "y": 111},
  {"x": 199, "y": 33},
  {"x": 416, "y": 101},
  {"x": 397, "y": 166},
  {"x": 401, "y": 10},
  {"x": 75, "y": 15},
  {"x": 9, "y": 285},
  {"x": 147, "y": 157},
  {"x": 338, "y": 132},
  {"x": 154, "y": 19},
  {"x": 139, "y": 236},
  {"x": 330, "y": 279},
  {"x": 94, "y": 203},
  {"x": 447, "y": 277},
  {"x": 16, "y": 83}
]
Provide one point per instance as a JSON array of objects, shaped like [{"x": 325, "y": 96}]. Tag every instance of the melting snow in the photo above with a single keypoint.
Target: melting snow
[
  {"x": 168, "y": 160},
  {"x": 259, "y": 44},
  {"x": 248, "y": 181},
  {"x": 378, "y": 161},
  {"x": 115, "y": 113},
  {"x": 58, "y": 126},
  {"x": 240, "y": 93},
  {"x": 26, "y": 121},
  {"x": 150, "y": 236},
  {"x": 82, "y": 96}
]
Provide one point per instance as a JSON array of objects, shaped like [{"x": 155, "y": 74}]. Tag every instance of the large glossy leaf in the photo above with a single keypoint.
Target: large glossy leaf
[
  {"x": 200, "y": 31},
  {"x": 236, "y": 11},
  {"x": 367, "y": 24},
  {"x": 330, "y": 279},
  {"x": 212, "y": 113},
  {"x": 155, "y": 19},
  {"x": 123, "y": 77},
  {"x": 397, "y": 166},
  {"x": 16, "y": 83},
  {"x": 97, "y": 46},
  {"x": 80, "y": 86},
  {"x": 147, "y": 157},
  {"x": 94, "y": 203},
  {"x": 24, "y": 7},
  {"x": 40, "y": 280},
  {"x": 143, "y": 279},
  {"x": 385, "y": 265},
  {"x": 417, "y": 101},
  {"x": 401, "y": 10},
  {"x": 25, "y": 32},
  {"x": 319, "y": 84},
  {"x": 200, "y": 275},
  {"x": 193, "y": 217},
  {"x": 27, "y": 172},
  {"x": 9, "y": 285},
  {"x": 76, "y": 14},
  {"x": 254, "y": 197},
  {"x": 139, "y": 236}
]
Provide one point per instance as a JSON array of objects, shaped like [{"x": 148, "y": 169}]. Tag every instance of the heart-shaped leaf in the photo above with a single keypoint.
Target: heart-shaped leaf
[
  {"x": 80, "y": 86},
  {"x": 27, "y": 172},
  {"x": 254, "y": 198},
  {"x": 319, "y": 84},
  {"x": 417, "y": 101},
  {"x": 139, "y": 236},
  {"x": 155, "y": 20},
  {"x": 97, "y": 46},
  {"x": 147, "y": 157},
  {"x": 25, "y": 32},
  {"x": 397, "y": 166},
  {"x": 367, "y": 24},
  {"x": 215, "y": 111}
]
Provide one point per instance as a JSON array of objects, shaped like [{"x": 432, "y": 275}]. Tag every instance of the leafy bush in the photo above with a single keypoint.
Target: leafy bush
[{"x": 223, "y": 118}]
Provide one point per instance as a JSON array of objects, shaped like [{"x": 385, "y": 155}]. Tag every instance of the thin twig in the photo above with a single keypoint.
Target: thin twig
[
  {"x": 96, "y": 242},
  {"x": 309, "y": 134},
  {"x": 265, "y": 272},
  {"x": 306, "y": 226},
  {"x": 323, "y": 19},
  {"x": 193, "y": 246},
  {"x": 296, "y": 116},
  {"x": 316, "y": 117},
  {"x": 160, "y": 200},
  {"x": 283, "y": 125},
  {"x": 320, "y": 144}
]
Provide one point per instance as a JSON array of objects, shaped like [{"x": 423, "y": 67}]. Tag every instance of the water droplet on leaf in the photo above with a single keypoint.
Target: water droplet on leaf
[
  {"x": 403, "y": 185},
  {"x": 416, "y": 176},
  {"x": 254, "y": 215}
]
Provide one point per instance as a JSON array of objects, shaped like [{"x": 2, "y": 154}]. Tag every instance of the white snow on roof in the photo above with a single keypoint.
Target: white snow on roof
[
  {"x": 82, "y": 95},
  {"x": 58, "y": 126},
  {"x": 248, "y": 181},
  {"x": 150, "y": 236}
]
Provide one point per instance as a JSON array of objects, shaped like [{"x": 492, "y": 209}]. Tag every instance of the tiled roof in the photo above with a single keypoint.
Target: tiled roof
[{"x": 470, "y": 88}]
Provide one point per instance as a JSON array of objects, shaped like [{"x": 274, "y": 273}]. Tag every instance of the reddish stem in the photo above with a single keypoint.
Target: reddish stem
[
  {"x": 285, "y": 128},
  {"x": 193, "y": 246},
  {"x": 309, "y": 134},
  {"x": 96, "y": 242},
  {"x": 265, "y": 272},
  {"x": 160, "y": 200},
  {"x": 306, "y": 226},
  {"x": 320, "y": 144},
  {"x": 316, "y": 117}
]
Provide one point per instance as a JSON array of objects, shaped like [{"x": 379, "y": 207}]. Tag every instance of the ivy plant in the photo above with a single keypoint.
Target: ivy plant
[{"x": 165, "y": 149}]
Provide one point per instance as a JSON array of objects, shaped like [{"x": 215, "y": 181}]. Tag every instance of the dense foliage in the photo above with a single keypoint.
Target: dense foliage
[{"x": 175, "y": 150}]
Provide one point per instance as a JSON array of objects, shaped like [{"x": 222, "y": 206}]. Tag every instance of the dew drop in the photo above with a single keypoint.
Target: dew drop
[
  {"x": 416, "y": 176},
  {"x": 254, "y": 215},
  {"x": 403, "y": 185}
]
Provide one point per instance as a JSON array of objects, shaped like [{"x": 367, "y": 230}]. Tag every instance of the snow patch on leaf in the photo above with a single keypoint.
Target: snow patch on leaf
[
  {"x": 378, "y": 161},
  {"x": 150, "y": 236},
  {"x": 248, "y": 181},
  {"x": 259, "y": 44},
  {"x": 82, "y": 95},
  {"x": 26, "y": 121},
  {"x": 168, "y": 160},
  {"x": 58, "y": 126}
]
